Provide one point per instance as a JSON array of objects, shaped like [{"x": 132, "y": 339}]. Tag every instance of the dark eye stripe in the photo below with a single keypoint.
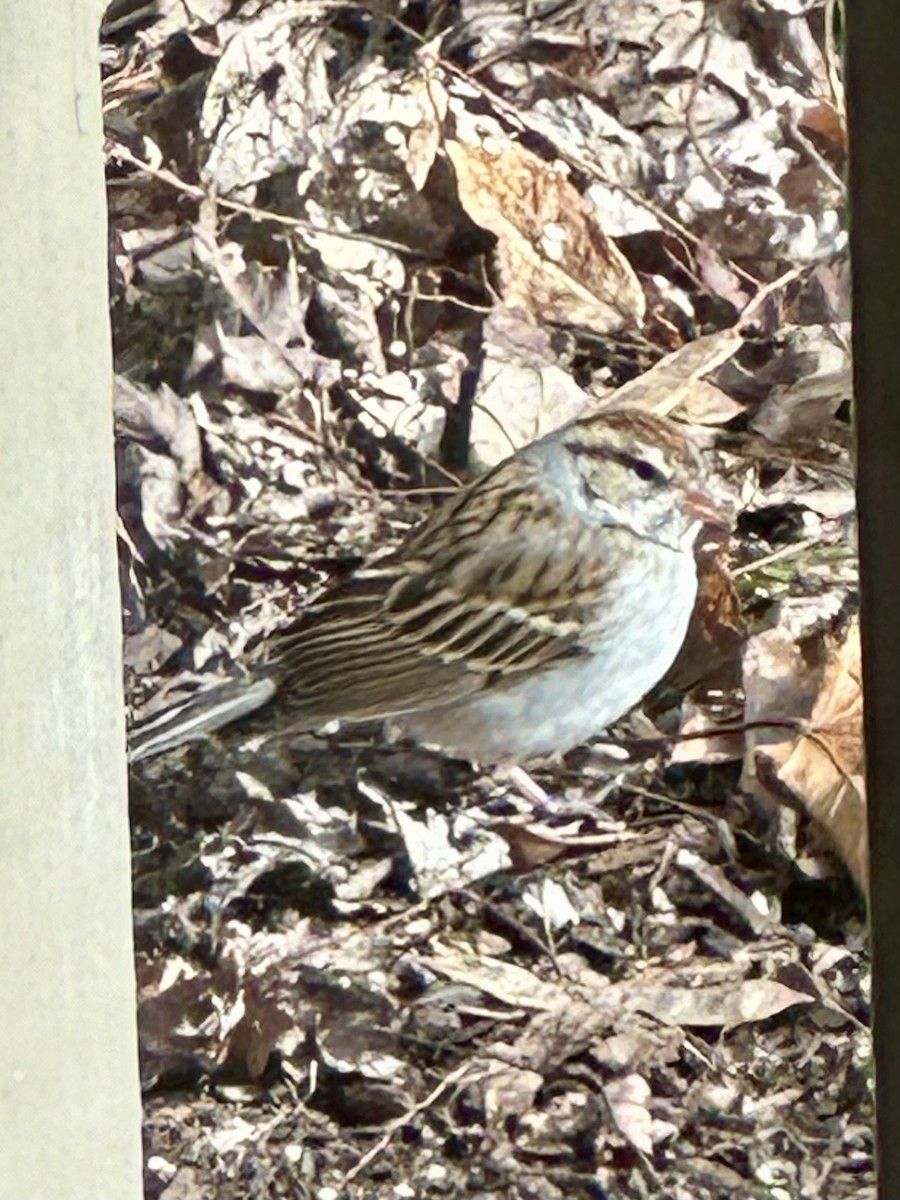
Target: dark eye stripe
[{"x": 642, "y": 468}]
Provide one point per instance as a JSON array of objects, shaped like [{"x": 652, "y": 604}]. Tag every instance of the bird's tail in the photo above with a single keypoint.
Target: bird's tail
[{"x": 198, "y": 716}]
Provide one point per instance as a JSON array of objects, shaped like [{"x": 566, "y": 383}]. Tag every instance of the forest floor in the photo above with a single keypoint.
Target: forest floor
[{"x": 358, "y": 252}]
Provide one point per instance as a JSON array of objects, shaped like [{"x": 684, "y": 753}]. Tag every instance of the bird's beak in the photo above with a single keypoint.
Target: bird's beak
[{"x": 701, "y": 506}]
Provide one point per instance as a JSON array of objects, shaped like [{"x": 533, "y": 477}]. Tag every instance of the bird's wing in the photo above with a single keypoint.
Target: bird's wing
[{"x": 495, "y": 585}]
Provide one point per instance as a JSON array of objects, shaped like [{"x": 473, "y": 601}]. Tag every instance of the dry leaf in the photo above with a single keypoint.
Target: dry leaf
[
  {"x": 628, "y": 1098},
  {"x": 552, "y": 257},
  {"x": 727, "y": 1005},
  {"x": 780, "y": 687},
  {"x": 509, "y": 1092},
  {"x": 823, "y": 119},
  {"x": 711, "y": 652},
  {"x": 714, "y": 878},
  {"x": 810, "y": 378},
  {"x": 504, "y": 981},
  {"x": 671, "y": 382},
  {"x": 826, "y": 769},
  {"x": 706, "y": 404},
  {"x": 517, "y": 403},
  {"x": 533, "y": 844}
]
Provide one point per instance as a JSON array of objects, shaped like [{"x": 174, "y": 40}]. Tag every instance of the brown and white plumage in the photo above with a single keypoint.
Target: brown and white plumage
[{"x": 532, "y": 609}]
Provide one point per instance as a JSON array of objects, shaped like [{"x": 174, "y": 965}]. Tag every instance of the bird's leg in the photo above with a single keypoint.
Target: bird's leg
[{"x": 527, "y": 787}]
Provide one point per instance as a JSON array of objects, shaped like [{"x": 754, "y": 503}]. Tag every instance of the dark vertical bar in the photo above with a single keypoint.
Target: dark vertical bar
[{"x": 873, "y": 47}]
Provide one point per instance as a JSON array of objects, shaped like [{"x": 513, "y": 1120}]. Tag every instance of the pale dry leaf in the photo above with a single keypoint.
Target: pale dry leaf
[
  {"x": 410, "y": 108},
  {"x": 253, "y": 132},
  {"x": 550, "y": 902},
  {"x": 810, "y": 379},
  {"x": 227, "y": 1137},
  {"x": 645, "y": 1044},
  {"x": 268, "y": 300},
  {"x": 825, "y": 771},
  {"x": 707, "y": 404},
  {"x": 552, "y": 257},
  {"x": 505, "y": 981},
  {"x": 771, "y": 1102},
  {"x": 621, "y": 216},
  {"x": 162, "y": 503},
  {"x": 710, "y": 1173},
  {"x": 713, "y": 877},
  {"x": 260, "y": 366},
  {"x": 509, "y": 1092},
  {"x": 170, "y": 483},
  {"x": 146, "y": 651},
  {"x": 432, "y": 843},
  {"x": 726, "y": 1005},
  {"x": 162, "y": 414},
  {"x": 670, "y": 383},
  {"x": 392, "y": 402},
  {"x": 780, "y": 684},
  {"x": 717, "y": 996},
  {"x": 521, "y": 393},
  {"x": 515, "y": 404},
  {"x": 628, "y": 1098},
  {"x": 718, "y": 277}
]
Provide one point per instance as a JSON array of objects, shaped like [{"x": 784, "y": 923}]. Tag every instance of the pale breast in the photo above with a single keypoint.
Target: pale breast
[{"x": 637, "y": 633}]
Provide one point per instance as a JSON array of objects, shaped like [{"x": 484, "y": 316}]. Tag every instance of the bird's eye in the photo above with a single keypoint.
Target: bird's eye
[{"x": 645, "y": 470}]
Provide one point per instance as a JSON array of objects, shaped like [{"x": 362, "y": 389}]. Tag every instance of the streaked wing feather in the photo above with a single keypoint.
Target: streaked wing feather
[
  {"x": 489, "y": 588},
  {"x": 360, "y": 669}
]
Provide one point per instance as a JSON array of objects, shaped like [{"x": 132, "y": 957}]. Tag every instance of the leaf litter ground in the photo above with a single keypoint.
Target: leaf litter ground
[{"x": 356, "y": 254}]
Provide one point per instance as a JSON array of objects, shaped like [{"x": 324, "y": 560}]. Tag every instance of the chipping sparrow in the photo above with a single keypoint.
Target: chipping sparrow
[{"x": 535, "y": 607}]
